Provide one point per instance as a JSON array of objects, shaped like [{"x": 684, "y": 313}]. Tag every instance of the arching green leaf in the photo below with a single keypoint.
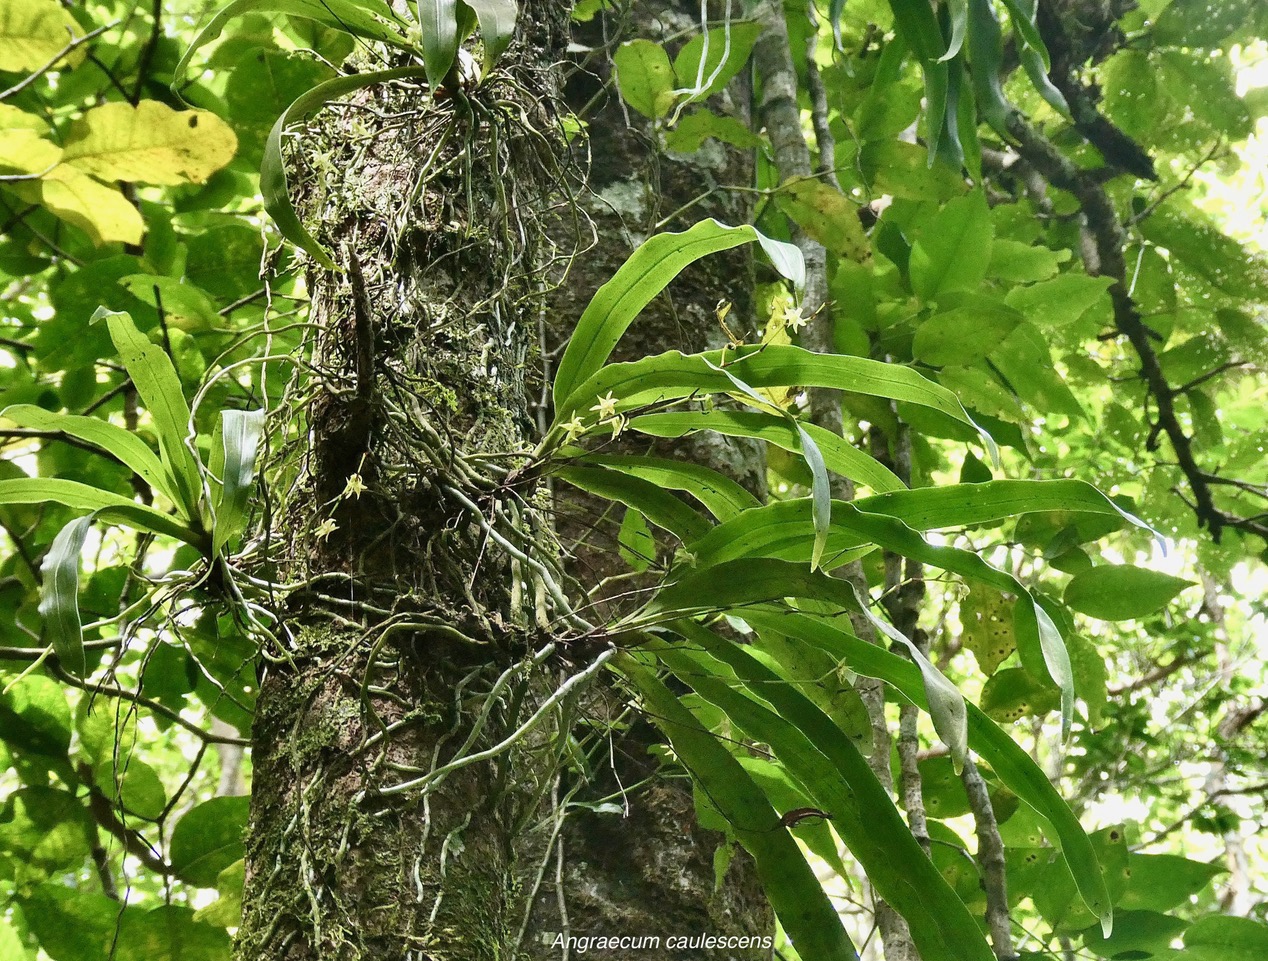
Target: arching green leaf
[
  {"x": 116, "y": 441},
  {"x": 110, "y": 508},
  {"x": 644, "y": 275},
  {"x": 838, "y": 780},
  {"x": 368, "y": 19},
  {"x": 1009, "y": 762},
  {"x": 160, "y": 390},
  {"x": 840, "y": 456},
  {"x": 59, "y": 594},
  {"x": 240, "y": 439},
  {"x": 497, "y": 26},
  {"x": 438, "y": 24},
  {"x": 273, "y": 180},
  {"x": 794, "y": 892}
]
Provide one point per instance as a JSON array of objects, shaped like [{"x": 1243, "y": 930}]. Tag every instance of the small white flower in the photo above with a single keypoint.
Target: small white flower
[
  {"x": 573, "y": 429},
  {"x": 793, "y": 319},
  {"x": 354, "y": 487},
  {"x": 325, "y": 529},
  {"x": 606, "y": 407}
]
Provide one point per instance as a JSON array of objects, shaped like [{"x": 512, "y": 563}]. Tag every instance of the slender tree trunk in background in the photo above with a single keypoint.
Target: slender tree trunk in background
[
  {"x": 437, "y": 580},
  {"x": 647, "y": 867}
]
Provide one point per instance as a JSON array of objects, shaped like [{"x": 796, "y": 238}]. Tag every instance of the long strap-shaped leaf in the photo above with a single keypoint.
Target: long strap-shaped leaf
[
  {"x": 735, "y": 584},
  {"x": 803, "y": 909},
  {"x": 673, "y": 375},
  {"x": 273, "y": 182},
  {"x": 160, "y": 391},
  {"x": 644, "y": 275},
  {"x": 59, "y": 594},
  {"x": 785, "y": 529},
  {"x": 110, "y": 438},
  {"x": 1010, "y": 763},
  {"x": 840, "y": 456},
  {"x": 438, "y": 25},
  {"x": 827, "y": 764},
  {"x": 656, "y": 504},
  {"x": 240, "y": 432},
  {"x": 723, "y": 497},
  {"x": 370, "y": 19},
  {"x": 960, "y": 505},
  {"x": 113, "y": 508},
  {"x": 497, "y": 27}
]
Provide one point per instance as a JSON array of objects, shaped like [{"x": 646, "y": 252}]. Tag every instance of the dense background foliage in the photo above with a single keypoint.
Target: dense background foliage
[{"x": 131, "y": 183}]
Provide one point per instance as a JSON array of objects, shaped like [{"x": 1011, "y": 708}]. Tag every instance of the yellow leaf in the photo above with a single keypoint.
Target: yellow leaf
[
  {"x": 100, "y": 211},
  {"x": 150, "y": 143},
  {"x": 26, "y": 152},
  {"x": 33, "y": 32},
  {"x": 12, "y": 118}
]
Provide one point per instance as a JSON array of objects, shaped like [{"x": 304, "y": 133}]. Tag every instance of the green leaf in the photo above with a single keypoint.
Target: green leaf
[
  {"x": 645, "y": 77},
  {"x": 987, "y": 618},
  {"x": 644, "y": 275},
  {"x": 738, "y": 583},
  {"x": 1122, "y": 592},
  {"x": 45, "y": 828},
  {"x": 1201, "y": 23},
  {"x": 1014, "y": 693},
  {"x": 170, "y": 933},
  {"x": 368, "y": 19},
  {"x": 240, "y": 439},
  {"x": 160, "y": 390},
  {"x": 791, "y": 887},
  {"x": 116, "y": 441},
  {"x": 1137, "y": 934},
  {"x": 1216, "y": 938},
  {"x": 108, "y": 507},
  {"x": 838, "y": 778},
  {"x": 840, "y": 456},
  {"x": 1060, "y": 301},
  {"x": 827, "y": 215},
  {"x": 699, "y": 125},
  {"x": 954, "y": 249},
  {"x": 821, "y": 498},
  {"x": 273, "y": 181},
  {"x": 1160, "y": 882},
  {"x": 634, "y": 541},
  {"x": 208, "y": 839},
  {"x": 1010, "y": 763},
  {"x": 729, "y": 50},
  {"x": 130, "y": 783},
  {"x": 723, "y": 497},
  {"x": 657, "y": 504},
  {"x": 497, "y": 27},
  {"x": 943, "y": 699},
  {"x": 673, "y": 375},
  {"x": 1020, "y": 263},
  {"x": 965, "y": 334},
  {"x": 438, "y": 24},
  {"x": 73, "y": 924},
  {"x": 59, "y": 594},
  {"x": 35, "y": 716},
  {"x": 959, "y": 10}
]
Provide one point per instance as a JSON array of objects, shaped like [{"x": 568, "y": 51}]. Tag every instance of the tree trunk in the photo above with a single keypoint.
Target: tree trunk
[
  {"x": 430, "y": 591},
  {"x": 412, "y": 645},
  {"x": 643, "y": 865}
]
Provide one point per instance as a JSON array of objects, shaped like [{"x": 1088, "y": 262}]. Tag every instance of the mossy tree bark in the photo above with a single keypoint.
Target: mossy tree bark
[
  {"x": 643, "y": 866},
  {"x": 432, "y": 595},
  {"x": 425, "y": 635}
]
